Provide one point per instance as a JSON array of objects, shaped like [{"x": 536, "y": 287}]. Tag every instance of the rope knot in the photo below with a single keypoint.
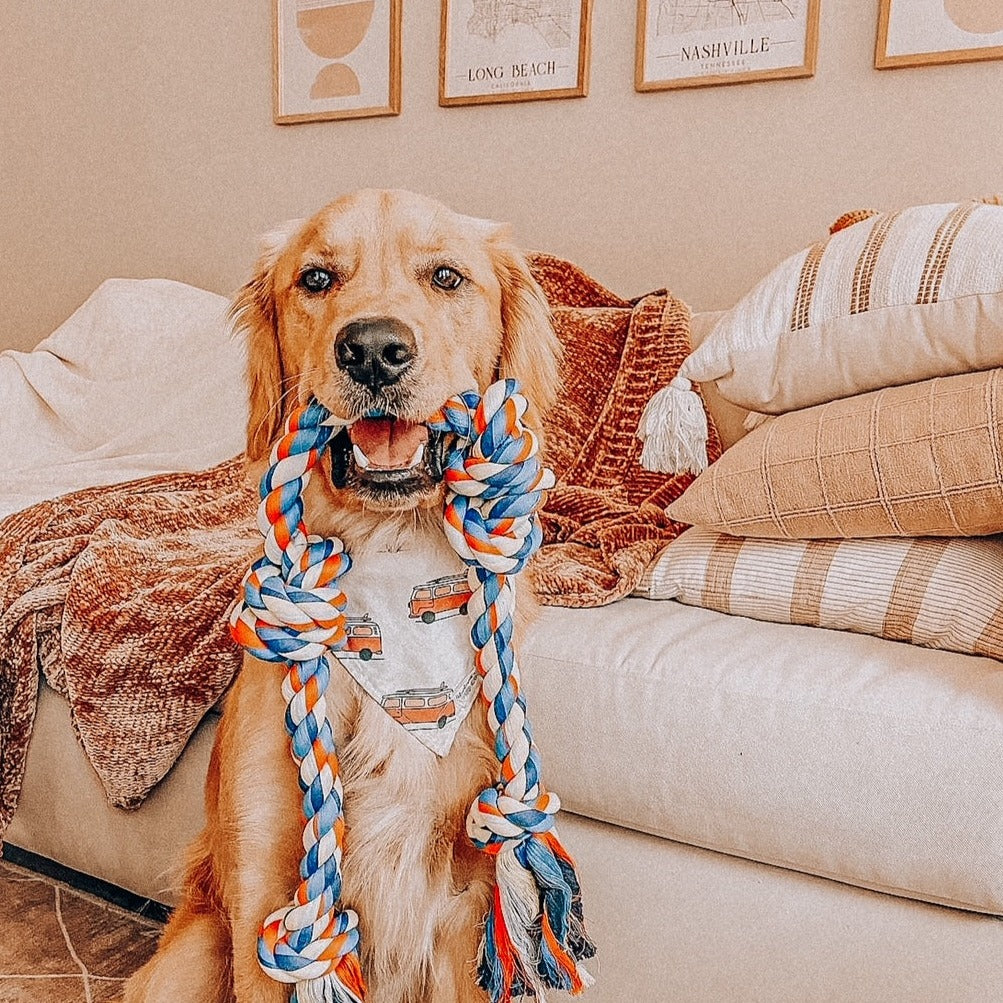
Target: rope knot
[
  {"x": 300, "y": 942},
  {"x": 293, "y": 608},
  {"x": 494, "y": 479},
  {"x": 496, "y": 819},
  {"x": 294, "y": 612}
]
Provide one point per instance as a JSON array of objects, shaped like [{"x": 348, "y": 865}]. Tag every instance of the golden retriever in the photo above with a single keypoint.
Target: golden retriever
[{"x": 383, "y": 301}]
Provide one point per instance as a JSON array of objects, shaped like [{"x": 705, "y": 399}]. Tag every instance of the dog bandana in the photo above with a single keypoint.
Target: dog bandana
[{"x": 407, "y": 629}]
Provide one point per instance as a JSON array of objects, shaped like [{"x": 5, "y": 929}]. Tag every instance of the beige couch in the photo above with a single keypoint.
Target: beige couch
[{"x": 759, "y": 811}]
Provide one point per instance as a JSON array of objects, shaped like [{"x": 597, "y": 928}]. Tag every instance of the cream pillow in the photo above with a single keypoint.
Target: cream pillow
[
  {"x": 924, "y": 459},
  {"x": 894, "y": 298},
  {"x": 939, "y": 593}
]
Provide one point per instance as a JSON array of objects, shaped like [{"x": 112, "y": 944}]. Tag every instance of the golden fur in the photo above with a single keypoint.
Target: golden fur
[{"x": 420, "y": 888}]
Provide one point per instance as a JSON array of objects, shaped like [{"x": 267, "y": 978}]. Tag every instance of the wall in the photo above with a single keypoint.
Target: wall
[{"x": 136, "y": 139}]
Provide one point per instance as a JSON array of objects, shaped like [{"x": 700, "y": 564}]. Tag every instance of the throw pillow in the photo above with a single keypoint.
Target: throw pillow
[
  {"x": 939, "y": 593},
  {"x": 893, "y": 298},
  {"x": 918, "y": 460}
]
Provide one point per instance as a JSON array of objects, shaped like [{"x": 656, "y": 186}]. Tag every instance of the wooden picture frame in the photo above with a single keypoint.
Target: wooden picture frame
[
  {"x": 335, "y": 59},
  {"x": 929, "y": 32},
  {"x": 532, "y": 52},
  {"x": 700, "y": 43}
]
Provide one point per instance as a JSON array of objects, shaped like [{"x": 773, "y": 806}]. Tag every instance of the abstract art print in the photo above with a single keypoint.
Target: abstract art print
[
  {"x": 922, "y": 32},
  {"x": 336, "y": 59}
]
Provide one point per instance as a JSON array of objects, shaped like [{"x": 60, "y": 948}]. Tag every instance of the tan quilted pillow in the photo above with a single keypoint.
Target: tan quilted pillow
[
  {"x": 919, "y": 460},
  {"x": 892, "y": 298},
  {"x": 940, "y": 593}
]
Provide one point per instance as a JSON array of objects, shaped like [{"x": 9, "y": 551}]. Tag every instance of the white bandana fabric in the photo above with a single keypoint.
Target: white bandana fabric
[{"x": 408, "y": 643}]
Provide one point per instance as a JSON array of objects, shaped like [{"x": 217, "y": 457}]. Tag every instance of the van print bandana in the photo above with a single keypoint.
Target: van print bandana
[{"x": 408, "y": 639}]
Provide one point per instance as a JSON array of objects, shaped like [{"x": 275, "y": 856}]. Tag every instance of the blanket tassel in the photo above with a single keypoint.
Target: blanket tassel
[{"x": 673, "y": 428}]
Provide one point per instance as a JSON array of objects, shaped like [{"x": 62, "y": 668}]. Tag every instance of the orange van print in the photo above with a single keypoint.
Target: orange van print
[
  {"x": 418, "y": 708},
  {"x": 365, "y": 639},
  {"x": 439, "y": 598}
]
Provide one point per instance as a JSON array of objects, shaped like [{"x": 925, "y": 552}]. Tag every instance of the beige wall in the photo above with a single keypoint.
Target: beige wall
[{"x": 136, "y": 139}]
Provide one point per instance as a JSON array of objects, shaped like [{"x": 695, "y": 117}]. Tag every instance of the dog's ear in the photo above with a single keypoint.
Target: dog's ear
[
  {"x": 530, "y": 350},
  {"x": 254, "y": 314}
]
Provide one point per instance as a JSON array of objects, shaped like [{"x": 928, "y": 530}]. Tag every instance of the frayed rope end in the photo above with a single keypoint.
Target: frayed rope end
[
  {"x": 673, "y": 429},
  {"x": 534, "y": 937},
  {"x": 347, "y": 986}
]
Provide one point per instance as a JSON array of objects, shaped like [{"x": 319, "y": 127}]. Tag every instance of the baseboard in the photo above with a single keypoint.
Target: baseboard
[{"x": 147, "y": 908}]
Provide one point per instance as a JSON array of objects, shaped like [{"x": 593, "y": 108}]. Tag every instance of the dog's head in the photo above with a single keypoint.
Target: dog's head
[{"x": 383, "y": 305}]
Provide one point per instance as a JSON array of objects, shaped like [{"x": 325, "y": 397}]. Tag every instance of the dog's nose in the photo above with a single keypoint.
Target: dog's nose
[{"x": 376, "y": 351}]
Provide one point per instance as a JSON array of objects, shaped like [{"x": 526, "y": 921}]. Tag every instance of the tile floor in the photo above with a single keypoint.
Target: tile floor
[{"x": 61, "y": 945}]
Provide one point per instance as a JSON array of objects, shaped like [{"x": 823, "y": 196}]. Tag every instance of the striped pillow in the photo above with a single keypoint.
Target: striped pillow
[
  {"x": 940, "y": 593},
  {"x": 886, "y": 299}
]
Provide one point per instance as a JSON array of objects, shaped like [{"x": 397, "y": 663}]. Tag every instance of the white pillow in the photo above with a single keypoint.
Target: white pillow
[
  {"x": 893, "y": 298},
  {"x": 145, "y": 377}
]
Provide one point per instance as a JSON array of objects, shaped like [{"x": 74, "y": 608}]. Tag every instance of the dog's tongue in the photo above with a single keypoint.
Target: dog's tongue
[{"x": 389, "y": 443}]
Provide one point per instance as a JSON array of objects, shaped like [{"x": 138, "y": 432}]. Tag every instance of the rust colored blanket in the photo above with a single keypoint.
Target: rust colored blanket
[{"x": 120, "y": 593}]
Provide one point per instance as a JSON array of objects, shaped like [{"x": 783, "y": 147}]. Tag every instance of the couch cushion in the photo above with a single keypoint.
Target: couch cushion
[
  {"x": 789, "y": 936},
  {"x": 865, "y": 760}
]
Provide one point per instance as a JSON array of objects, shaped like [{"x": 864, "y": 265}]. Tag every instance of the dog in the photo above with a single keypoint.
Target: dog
[{"x": 385, "y": 303}]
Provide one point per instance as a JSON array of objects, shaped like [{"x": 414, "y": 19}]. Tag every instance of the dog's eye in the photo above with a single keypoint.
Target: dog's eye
[
  {"x": 447, "y": 278},
  {"x": 316, "y": 280}
]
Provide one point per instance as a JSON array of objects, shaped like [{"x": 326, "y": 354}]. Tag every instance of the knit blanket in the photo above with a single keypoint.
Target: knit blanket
[{"x": 120, "y": 594}]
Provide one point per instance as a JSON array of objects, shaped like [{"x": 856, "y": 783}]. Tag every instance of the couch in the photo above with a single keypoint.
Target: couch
[{"x": 759, "y": 811}]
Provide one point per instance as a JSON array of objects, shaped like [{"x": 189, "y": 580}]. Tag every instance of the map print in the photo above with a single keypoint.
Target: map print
[
  {"x": 675, "y": 17},
  {"x": 694, "y": 43},
  {"x": 551, "y": 18},
  {"x": 507, "y": 50}
]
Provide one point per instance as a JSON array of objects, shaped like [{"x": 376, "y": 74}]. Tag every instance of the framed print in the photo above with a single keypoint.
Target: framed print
[
  {"x": 920, "y": 32},
  {"x": 700, "y": 43},
  {"x": 336, "y": 59},
  {"x": 513, "y": 50}
]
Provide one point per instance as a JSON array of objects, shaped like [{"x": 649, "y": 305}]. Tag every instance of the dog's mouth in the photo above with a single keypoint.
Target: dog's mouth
[{"x": 388, "y": 459}]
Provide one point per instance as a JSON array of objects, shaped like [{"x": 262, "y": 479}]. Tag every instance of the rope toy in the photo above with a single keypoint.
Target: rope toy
[
  {"x": 534, "y": 933},
  {"x": 292, "y": 612}
]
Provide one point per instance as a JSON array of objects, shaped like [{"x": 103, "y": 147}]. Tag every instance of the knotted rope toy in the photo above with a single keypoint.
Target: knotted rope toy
[
  {"x": 293, "y": 612},
  {"x": 534, "y": 934}
]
